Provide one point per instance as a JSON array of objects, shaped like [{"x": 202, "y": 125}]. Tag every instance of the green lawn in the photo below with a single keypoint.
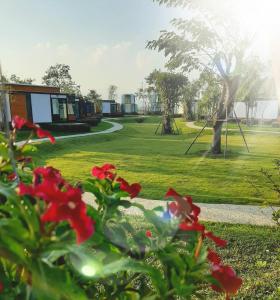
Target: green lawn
[
  {"x": 24, "y": 134},
  {"x": 158, "y": 162},
  {"x": 254, "y": 253},
  {"x": 233, "y": 125}
]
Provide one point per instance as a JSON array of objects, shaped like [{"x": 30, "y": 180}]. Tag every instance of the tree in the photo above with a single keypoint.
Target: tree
[
  {"x": 16, "y": 79},
  {"x": 153, "y": 100},
  {"x": 190, "y": 94},
  {"x": 170, "y": 87},
  {"x": 211, "y": 90},
  {"x": 252, "y": 83},
  {"x": 95, "y": 98},
  {"x": 142, "y": 96},
  {"x": 207, "y": 40},
  {"x": 112, "y": 92},
  {"x": 59, "y": 76}
]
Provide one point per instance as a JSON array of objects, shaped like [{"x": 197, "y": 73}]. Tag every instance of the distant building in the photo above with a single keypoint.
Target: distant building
[
  {"x": 129, "y": 105},
  {"x": 154, "y": 103},
  {"x": 45, "y": 104},
  {"x": 263, "y": 109},
  {"x": 111, "y": 108}
]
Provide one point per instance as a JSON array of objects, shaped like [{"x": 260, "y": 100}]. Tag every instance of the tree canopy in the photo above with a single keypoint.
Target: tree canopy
[
  {"x": 112, "y": 92},
  {"x": 207, "y": 41},
  {"x": 59, "y": 76},
  {"x": 170, "y": 87}
]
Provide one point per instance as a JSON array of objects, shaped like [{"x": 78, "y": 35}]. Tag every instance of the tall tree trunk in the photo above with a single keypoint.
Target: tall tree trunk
[
  {"x": 167, "y": 117},
  {"x": 225, "y": 107},
  {"x": 188, "y": 110},
  {"x": 247, "y": 112}
]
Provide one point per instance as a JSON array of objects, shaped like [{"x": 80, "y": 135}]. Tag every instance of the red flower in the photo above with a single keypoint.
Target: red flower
[
  {"x": 71, "y": 208},
  {"x": 64, "y": 202},
  {"x": 1, "y": 287},
  {"x": 219, "y": 242},
  {"x": 213, "y": 257},
  {"x": 186, "y": 226},
  {"x": 183, "y": 206},
  {"x": 25, "y": 189},
  {"x": 48, "y": 174},
  {"x": 229, "y": 283},
  {"x": 19, "y": 122},
  {"x": 132, "y": 189},
  {"x": 45, "y": 134},
  {"x": 104, "y": 172},
  {"x": 148, "y": 234}
]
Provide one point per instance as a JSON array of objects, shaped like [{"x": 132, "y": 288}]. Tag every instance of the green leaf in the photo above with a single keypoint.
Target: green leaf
[{"x": 49, "y": 283}]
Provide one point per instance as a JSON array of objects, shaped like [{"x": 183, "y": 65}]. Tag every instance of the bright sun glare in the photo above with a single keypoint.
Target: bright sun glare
[{"x": 260, "y": 17}]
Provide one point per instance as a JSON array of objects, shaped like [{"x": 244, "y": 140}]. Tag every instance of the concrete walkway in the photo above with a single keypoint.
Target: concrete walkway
[
  {"x": 228, "y": 213},
  {"x": 193, "y": 126},
  {"x": 116, "y": 127}
]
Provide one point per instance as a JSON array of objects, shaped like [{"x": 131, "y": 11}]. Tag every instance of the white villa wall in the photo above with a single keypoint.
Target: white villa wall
[
  {"x": 264, "y": 110},
  {"x": 106, "y": 107},
  {"x": 41, "y": 108}
]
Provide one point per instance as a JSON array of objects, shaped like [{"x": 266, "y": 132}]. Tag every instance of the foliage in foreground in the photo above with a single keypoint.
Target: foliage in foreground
[{"x": 55, "y": 246}]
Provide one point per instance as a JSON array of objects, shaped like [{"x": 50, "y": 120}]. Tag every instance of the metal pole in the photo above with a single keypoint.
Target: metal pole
[
  {"x": 158, "y": 126},
  {"x": 6, "y": 124},
  {"x": 241, "y": 131},
  {"x": 197, "y": 136},
  {"x": 225, "y": 151}
]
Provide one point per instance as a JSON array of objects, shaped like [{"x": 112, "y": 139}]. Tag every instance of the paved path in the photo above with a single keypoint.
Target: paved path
[
  {"x": 228, "y": 213},
  {"x": 116, "y": 127},
  {"x": 193, "y": 126}
]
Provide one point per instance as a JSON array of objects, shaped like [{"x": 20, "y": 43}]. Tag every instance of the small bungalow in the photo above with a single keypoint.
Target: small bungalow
[
  {"x": 111, "y": 108},
  {"x": 129, "y": 104}
]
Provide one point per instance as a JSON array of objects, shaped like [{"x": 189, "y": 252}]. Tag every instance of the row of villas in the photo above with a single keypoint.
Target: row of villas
[{"x": 46, "y": 104}]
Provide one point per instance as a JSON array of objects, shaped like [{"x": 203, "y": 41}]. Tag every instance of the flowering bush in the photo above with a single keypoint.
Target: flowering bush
[{"x": 55, "y": 246}]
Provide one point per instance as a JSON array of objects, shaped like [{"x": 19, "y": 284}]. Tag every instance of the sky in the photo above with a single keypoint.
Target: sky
[{"x": 103, "y": 41}]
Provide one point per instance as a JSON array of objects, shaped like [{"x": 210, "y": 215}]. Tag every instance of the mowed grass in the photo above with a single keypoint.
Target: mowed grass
[
  {"x": 158, "y": 162},
  {"x": 234, "y": 125},
  {"x": 254, "y": 253}
]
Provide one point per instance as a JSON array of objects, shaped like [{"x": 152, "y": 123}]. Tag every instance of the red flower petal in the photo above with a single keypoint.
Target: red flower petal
[
  {"x": 213, "y": 257},
  {"x": 191, "y": 227},
  {"x": 148, "y": 234},
  {"x": 45, "y": 134},
  {"x": 133, "y": 190},
  {"x": 229, "y": 282},
  {"x": 25, "y": 189},
  {"x": 103, "y": 172},
  {"x": 173, "y": 207},
  {"x": 108, "y": 167},
  {"x": 172, "y": 193},
  {"x": 218, "y": 241},
  {"x": 18, "y": 122}
]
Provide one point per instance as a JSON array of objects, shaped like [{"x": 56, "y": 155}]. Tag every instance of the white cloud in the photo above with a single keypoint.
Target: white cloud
[
  {"x": 98, "y": 53},
  {"x": 147, "y": 59},
  {"x": 63, "y": 50},
  {"x": 43, "y": 45},
  {"x": 122, "y": 45}
]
